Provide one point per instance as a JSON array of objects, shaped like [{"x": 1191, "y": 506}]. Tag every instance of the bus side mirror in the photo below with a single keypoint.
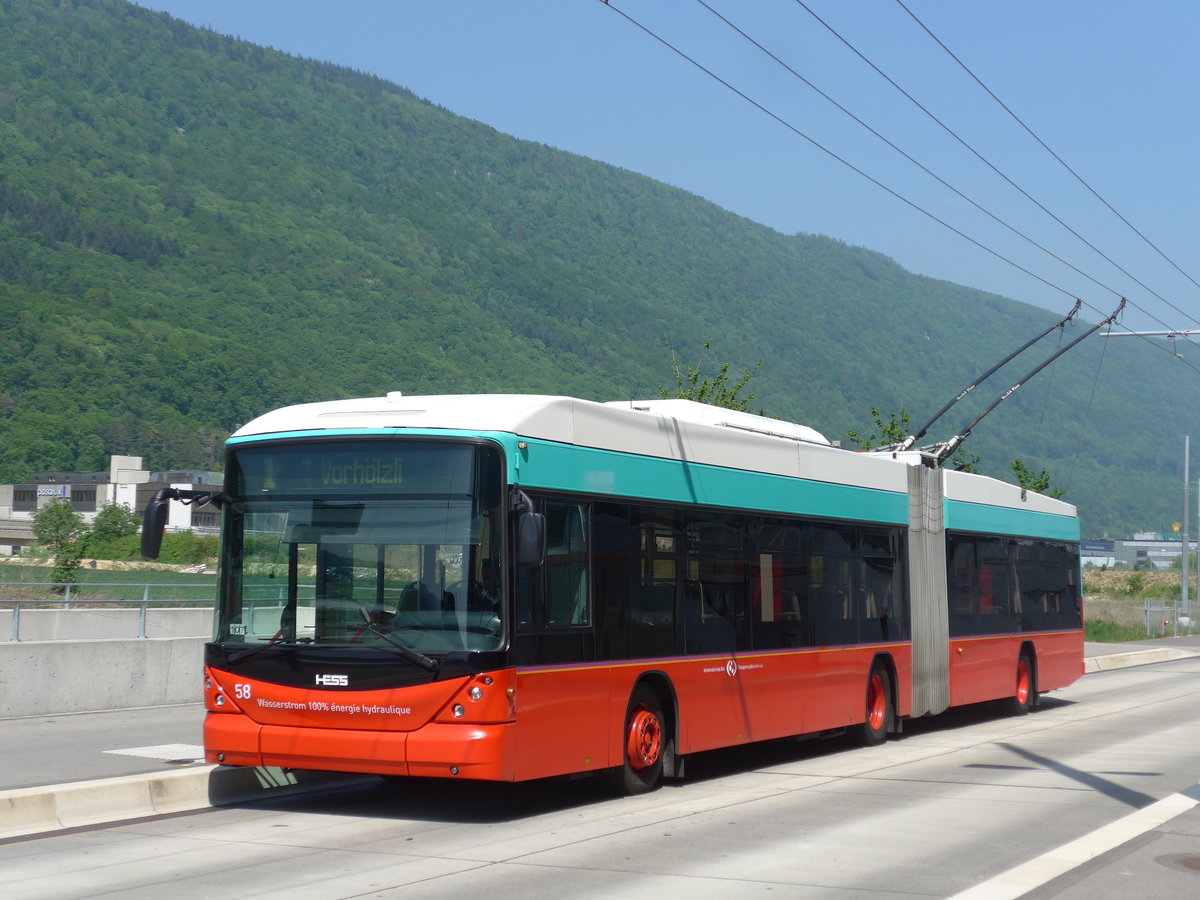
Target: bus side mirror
[
  {"x": 154, "y": 519},
  {"x": 154, "y": 523},
  {"x": 531, "y": 539}
]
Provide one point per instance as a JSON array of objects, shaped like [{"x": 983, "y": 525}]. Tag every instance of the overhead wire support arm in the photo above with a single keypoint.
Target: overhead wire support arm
[
  {"x": 1170, "y": 335},
  {"x": 909, "y": 441},
  {"x": 943, "y": 451}
]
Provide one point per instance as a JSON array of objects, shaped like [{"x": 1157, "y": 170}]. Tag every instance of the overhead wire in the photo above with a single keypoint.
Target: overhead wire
[
  {"x": 919, "y": 165},
  {"x": 950, "y": 131},
  {"x": 895, "y": 194},
  {"x": 1100, "y": 362},
  {"x": 1057, "y": 158},
  {"x": 795, "y": 130},
  {"x": 1094, "y": 193},
  {"x": 906, "y": 155}
]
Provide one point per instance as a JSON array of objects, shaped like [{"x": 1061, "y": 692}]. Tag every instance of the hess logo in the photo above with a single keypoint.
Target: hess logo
[{"x": 333, "y": 680}]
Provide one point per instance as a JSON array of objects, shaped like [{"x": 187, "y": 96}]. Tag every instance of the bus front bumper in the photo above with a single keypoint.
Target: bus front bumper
[{"x": 437, "y": 750}]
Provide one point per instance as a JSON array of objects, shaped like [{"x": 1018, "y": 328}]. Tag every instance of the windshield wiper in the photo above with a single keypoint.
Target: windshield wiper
[{"x": 417, "y": 659}]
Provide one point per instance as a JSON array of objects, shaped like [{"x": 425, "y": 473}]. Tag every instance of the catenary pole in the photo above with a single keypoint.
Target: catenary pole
[{"x": 1183, "y": 581}]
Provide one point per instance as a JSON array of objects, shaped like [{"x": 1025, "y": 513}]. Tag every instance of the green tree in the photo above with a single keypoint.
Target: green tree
[
  {"x": 112, "y": 523},
  {"x": 692, "y": 384},
  {"x": 1038, "y": 482},
  {"x": 61, "y": 530},
  {"x": 964, "y": 461},
  {"x": 893, "y": 431},
  {"x": 115, "y": 520}
]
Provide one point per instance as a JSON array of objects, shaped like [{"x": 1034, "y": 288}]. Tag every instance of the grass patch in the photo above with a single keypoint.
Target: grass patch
[
  {"x": 12, "y": 573},
  {"x": 107, "y": 584},
  {"x": 1108, "y": 632}
]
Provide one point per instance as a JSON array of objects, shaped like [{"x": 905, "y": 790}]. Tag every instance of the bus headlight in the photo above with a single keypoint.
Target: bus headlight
[{"x": 481, "y": 700}]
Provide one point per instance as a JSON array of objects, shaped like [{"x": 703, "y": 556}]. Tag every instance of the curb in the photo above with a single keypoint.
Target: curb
[
  {"x": 37, "y": 810},
  {"x": 1135, "y": 658}
]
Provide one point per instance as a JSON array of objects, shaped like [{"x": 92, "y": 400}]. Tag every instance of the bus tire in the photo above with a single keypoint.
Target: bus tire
[
  {"x": 879, "y": 707},
  {"x": 643, "y": 743},
  {"x": 1026, "y": 687}
]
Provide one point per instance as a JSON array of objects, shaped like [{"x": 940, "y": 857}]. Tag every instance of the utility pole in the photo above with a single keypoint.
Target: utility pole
[
  {"x": 1184, "y": 611},
  {"x": 1183, "y": 581}
]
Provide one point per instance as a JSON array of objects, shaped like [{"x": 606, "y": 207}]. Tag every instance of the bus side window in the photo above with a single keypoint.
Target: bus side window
[
  {"x": 831, "y": 586},
  {"x": 881, "y": 587},
  {"x": 654, "y": 581},
  {"x": 566, "y": 564},
  {"x": 1048, "y": 594},
  {"x": 962, "y": 585},
  {"x": 613, "y": 557},
  {"x": 531, "y": 599},
  {"x": 780, "y": 584},
  {"x": 716, "y": 586},
  {"x": 556, "y": 594}
]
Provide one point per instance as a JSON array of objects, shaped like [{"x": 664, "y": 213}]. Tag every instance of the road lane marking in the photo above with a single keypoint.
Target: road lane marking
[
  {"x": 1024, "y": 878},
  {"x": 163, "y": 751}
]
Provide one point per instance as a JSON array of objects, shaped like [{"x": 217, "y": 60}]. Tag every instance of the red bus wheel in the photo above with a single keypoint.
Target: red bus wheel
[
  {"x": 879, "y": 708},
  {"x": 1026, "y": 689},
  {"x": 644, "y": 743}
]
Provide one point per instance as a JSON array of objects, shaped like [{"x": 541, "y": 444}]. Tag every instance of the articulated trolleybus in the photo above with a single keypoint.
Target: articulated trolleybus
[{"x": 514, "y": 587}]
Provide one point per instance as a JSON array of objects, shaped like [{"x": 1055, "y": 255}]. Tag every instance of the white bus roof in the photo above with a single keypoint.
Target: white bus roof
[
  {"x": 669, "y": 429},
  {"x": 528, "y": 415}
]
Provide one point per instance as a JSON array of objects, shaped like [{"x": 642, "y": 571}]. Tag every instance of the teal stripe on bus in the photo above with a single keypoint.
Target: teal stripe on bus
[
  {"x": 963, "y": 516},
  {"x": 566, "y": 467},
  {"x": 588, "y": 470}
]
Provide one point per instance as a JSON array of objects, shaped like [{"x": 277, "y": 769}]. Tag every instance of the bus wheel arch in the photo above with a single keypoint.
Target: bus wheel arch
[
  {"x": 880, "y": 702},
  {"x": 648, "y": 737}
]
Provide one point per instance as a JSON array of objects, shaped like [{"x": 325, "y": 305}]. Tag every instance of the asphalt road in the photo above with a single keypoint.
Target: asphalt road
[{"x": 49, "y": 750}]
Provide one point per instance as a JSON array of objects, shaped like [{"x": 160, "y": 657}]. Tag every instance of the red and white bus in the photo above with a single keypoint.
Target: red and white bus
[{"x": 514, "y": 587}]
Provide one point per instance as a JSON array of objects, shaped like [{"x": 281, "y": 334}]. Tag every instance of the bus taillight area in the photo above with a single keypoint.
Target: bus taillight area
[{"x": 460, "y": 727}]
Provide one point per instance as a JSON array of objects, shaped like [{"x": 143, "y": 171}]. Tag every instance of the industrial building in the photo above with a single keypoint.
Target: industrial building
[{"x": 125, "y": 483}]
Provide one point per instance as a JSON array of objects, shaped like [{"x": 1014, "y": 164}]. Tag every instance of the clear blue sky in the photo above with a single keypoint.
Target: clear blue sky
[{"x": 1112, "y": 87}]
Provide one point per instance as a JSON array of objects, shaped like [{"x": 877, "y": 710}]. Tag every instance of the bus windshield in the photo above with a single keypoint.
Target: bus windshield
[{"x": 366, "y": 543}]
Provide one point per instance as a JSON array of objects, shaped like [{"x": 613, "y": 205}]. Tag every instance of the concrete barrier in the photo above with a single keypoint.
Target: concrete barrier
[
  {"x": 106, "y": 622},
  {"x": 52, "y": 677}
]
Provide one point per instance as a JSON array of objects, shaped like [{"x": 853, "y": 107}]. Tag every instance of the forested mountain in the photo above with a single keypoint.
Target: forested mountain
[{"x": 194, "y": 229}]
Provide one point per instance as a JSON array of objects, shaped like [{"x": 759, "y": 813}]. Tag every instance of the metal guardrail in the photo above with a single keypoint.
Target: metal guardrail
[{"x": 79, "y": 589}]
